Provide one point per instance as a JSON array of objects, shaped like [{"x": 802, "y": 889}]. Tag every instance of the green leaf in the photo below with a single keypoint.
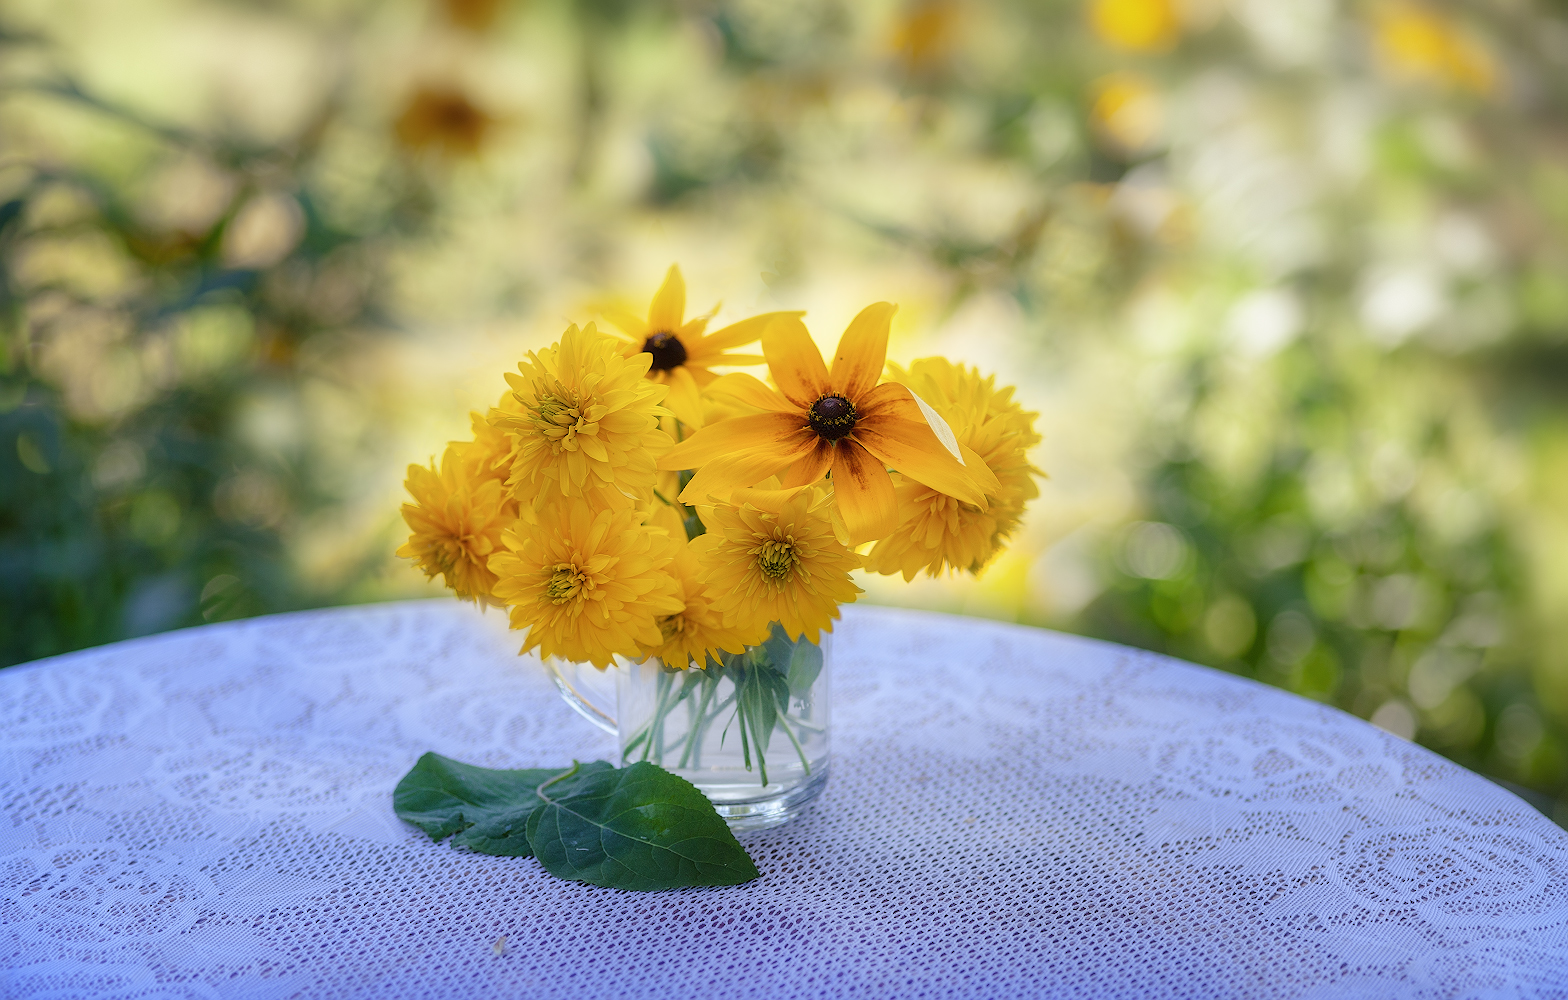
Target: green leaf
[
  {"x": 487, "y": 809},
  {"x": 805, "y": 665},
  {"x": 800, "y": 661},
  {"x": 777, "y": 650},
  {"x": 639, "y": 828},
  {"x": 763, "y": 694}
]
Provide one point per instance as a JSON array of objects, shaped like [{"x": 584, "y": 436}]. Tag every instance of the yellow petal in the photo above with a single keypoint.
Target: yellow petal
[
  {"x": 745, "y": 332},
  {"x": 635, "y": 327},
  {"x": 862, "y": 351},
  {"x": 752, "y": 391},
  {"x": 764, "y": 496},
  {"x": 980, "y": 472},
  {"x": 864, "y": 493},
  {"x": 718, "y": 478},
  {"x": 897, "y": 399},
  {"x": 795, "y": 362},
  {"x": 913, "y": 449},
  {"x": 684, "y": 398},
  {"x": 889, "y": 398},
  {"x": 812, "y": 466},
  {"x": 668, "y": 308},
  {"x": 938, "y": 426},
  {"x": 776, "y": 433}
]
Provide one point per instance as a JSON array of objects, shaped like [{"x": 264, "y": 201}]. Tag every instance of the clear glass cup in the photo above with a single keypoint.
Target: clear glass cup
[{"x": 751, "y": 732}]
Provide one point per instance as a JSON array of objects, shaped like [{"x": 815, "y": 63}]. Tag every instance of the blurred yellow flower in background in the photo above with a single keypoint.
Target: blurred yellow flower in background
[
  {"x": 819, "y": 421},
  {"x": 442, "y": 117},
  {"x": 924, "y": 33},
  {"x": 1418, "y": 42},
  {"x": 683, "y": 357},
  {"x": 582, "y": 420},
  {"x": 937, "y": 532},
  {"x": 474, "y": 15},
  {"x": 457, "y": 520},
  {"x": 771, "y": 555},
  {"x": 1127, "y": 111},
  {"x": 1136, "y": 25},
  {"x": 588, "y": 582}
]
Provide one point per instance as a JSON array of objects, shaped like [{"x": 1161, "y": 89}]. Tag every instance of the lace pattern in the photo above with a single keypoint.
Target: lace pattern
[{"x": 1012, "y": 812}]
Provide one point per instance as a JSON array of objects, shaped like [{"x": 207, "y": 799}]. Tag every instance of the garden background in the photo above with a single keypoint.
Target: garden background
[{"x": 1286, "y": 280}]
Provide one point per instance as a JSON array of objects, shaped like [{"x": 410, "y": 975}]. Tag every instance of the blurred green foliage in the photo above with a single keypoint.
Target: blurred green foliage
[
  {"x": 1287, "y": 282},
  {"x": 156, "y": 349}
]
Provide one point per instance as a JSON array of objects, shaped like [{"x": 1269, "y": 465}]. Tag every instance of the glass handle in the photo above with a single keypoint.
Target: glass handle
[{"x": 568, "y": 680}]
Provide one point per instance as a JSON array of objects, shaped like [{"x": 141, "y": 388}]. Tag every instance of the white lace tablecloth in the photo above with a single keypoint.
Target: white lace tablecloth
[{"x": 1012, "y": 813}]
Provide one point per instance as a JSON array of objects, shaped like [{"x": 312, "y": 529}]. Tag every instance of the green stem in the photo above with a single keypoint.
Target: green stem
[
  {"x": 560, "y": 777},
  {"x": 632, "y": 743},
  {"x": 656, "y": 724},
  {"x": 694, "y": 733},
  {"x": 784, "y": 725},
  {"x": 720, "y": 708},
  {"x": 745, "y": 744},
  {"x": 802, "y": 723}
]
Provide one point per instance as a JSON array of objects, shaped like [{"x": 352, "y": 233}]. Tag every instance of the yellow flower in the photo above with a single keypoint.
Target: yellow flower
[
  {"x": 1139, "y": 25},
  {"x": 682, "y": 354},
  {"x": 1127, "y": 111},
  {"x": 771, "y": 555},
  {"x": 588, "y": 582},
  {"x": 1418, "y": 42},
  {"x": 489, "y": 454},
  {"x": 926, "y": 32},
  {"x": 698, "y": 631},
  {"x": 456, "y": 521},
  {"x": 443, "y": 117},
  {"x": 582, "y": 421},
  {"x": 937, "y": 532},
  {"x": 818, "y": 421}
]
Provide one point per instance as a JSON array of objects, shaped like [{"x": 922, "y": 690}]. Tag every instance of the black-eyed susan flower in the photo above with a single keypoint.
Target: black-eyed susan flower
[
  {"x": 683, "y": 356},
  {"x": 771, "y": 555},
  {"x": 820, "y": 421},
  {"x": 457, "y": 519},
  {"x": 588, "y": 582},
  {"x": 938, "y": 532},
  {"x": 582, "y": 421}
]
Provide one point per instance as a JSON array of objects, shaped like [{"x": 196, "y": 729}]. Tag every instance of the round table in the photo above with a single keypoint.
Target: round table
[{"x": 1012, "y": 813}]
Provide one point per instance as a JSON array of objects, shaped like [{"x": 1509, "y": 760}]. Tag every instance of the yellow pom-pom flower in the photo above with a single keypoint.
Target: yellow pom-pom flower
[
  {"x": 489, "y": 454},
  {"x": 698, "y": 631},
  {"x": 589, "y": 582},
  {"x": 772, "y": 555},
  {"x": 937, "y": 532},
  {"x": 583, "y": 421},
  {"x": 456, "y": 519}
]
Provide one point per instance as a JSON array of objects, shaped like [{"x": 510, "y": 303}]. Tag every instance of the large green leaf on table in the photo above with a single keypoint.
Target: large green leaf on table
[
  {"x": 486, "y": 809},
  {"x": 639, "y": 828}
]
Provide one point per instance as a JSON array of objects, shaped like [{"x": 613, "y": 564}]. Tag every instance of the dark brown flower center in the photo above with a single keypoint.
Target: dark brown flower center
[
  {"x": 667, "y": 350},
  {"x": 832, "y": 417}
]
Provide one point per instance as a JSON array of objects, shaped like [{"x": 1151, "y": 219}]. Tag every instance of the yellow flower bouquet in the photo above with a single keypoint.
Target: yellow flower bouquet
[{"x": 632, "y": 508}]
